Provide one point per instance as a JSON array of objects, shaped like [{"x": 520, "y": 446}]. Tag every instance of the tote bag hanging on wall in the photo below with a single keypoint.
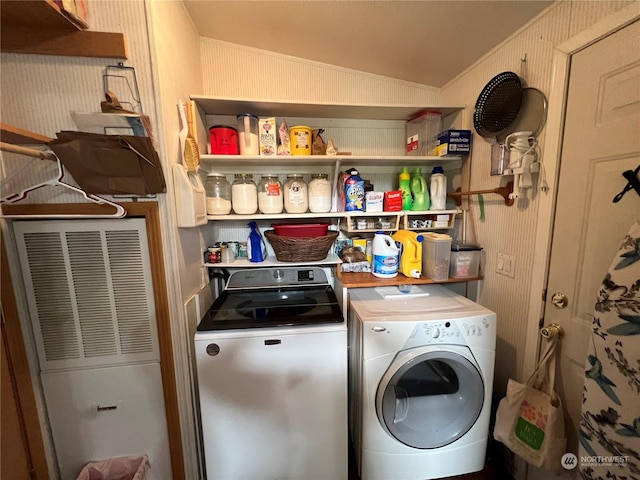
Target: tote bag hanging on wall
[{"x": 529, "y": 419}]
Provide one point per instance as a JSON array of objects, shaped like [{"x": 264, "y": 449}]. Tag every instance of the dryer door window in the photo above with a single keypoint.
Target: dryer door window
[{"x": 431, "y": 399}]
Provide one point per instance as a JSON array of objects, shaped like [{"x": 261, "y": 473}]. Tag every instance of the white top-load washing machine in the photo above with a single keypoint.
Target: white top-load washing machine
[
  {"x": 421, "y": 376},
  {"x": 271, "y": 357}
]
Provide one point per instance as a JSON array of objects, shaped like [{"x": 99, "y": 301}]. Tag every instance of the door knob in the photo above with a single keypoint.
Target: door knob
[{"x": 559, "y": 300}]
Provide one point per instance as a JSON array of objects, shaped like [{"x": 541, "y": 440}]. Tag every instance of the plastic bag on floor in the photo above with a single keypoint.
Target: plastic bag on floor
[{"x": 120, "y": 468}]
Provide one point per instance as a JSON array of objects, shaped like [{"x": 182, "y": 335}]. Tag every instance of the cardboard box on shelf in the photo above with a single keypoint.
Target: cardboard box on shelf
[{"x": 454, "y": 143}]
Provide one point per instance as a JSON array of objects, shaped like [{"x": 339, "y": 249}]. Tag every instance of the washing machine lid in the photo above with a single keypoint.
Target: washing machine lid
[
  {"x": 424, "y": 302},
  {"x": 272, "y": 307},
  {"x": 428, "y": 399}
]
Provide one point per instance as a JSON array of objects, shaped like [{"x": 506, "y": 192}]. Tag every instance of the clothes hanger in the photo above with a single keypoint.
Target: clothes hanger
[
  {"x": 56, "y": 181},
  {"x": 633, "y": 182}
]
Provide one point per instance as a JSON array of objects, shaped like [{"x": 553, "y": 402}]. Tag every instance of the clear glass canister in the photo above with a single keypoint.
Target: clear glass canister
[
  {"x": 218, "y": 193},
  {"x": 296, "y": 199},
  {"x": 244, "y": 194},
  {"x": 319, "y": 193},
  {"x": 270, "y": 198}
]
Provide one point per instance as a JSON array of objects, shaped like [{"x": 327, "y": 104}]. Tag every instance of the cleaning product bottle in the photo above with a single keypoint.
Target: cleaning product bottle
[
  {"x": 385, "y": 256},
  {"x": 354, "y": 192},
  {"x": 410, "y": 251},
  {"x": 404, "y": 184},
  {"x": 256, "y": 248},
  {"x": 419, "y": 191},
  {"x": 438, "y": 189}
]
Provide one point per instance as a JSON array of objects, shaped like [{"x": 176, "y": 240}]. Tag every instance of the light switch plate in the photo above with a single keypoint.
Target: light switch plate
[{"x": 506, "y": 265}]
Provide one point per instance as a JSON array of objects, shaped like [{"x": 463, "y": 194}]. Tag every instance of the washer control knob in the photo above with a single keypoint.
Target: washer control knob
[
  {"x": 435, "y": 333},
  {"x": 278, "y": 274}
]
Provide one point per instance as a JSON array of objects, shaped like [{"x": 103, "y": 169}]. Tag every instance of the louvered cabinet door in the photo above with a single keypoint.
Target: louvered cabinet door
[
  {"x": 88, "y": 285},
  {"x": 90, "y": 295}
]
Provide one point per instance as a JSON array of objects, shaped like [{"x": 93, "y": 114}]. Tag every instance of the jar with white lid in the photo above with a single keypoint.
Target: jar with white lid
[
  {"x": 244, "y": 194},
  {"x": 296, "y": 198},
  {"x": 270, "y": 198},
  {"x": 319, "y": 193},
  {"x": 218, "y": 193}
]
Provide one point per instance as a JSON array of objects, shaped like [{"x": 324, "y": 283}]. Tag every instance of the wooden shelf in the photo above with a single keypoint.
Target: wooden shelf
[
  {"x": 232, "y": 106},
  {"x": 365, "y": 279},
  {"x": 40, "y": 27},
  {"x": 18, "y": 136}
]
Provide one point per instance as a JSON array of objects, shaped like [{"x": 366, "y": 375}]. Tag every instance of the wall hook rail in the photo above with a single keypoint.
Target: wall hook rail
[{"x": 504, "y": 192}]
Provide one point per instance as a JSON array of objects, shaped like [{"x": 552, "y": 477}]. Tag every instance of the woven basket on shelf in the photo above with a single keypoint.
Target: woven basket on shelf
[{"x": 297, "y": 249}]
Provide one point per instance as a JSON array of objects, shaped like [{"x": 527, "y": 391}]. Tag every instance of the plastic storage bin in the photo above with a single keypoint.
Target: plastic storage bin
[
  {"x": 422, "y": 133},
  {"x": 465, "y": 261},
  {"x": 436, "y": 254},
  {"x": 301, "y": 230}
]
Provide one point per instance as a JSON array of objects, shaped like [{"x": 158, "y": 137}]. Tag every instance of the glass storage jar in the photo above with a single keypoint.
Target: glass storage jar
[
  {"x": 218, "y": 192},
  {"x": 270, "y": 198},
  {"x": 296, "y": 198},
  {"x": 319, "y": 193},
  {"x": 244, "y": 194}
]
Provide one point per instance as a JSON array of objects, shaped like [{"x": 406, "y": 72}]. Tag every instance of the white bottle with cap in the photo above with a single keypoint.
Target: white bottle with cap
[
  {"x": 438, "y": 189},
  {"x": 385, "y": 256}
]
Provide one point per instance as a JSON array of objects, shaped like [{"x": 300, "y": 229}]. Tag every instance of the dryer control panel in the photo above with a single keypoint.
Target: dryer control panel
[{"x": 451, "y": 332}]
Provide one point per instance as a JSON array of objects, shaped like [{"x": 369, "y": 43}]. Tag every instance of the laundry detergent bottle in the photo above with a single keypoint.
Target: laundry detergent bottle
[
  {"x": 385, "y": 256},
  {"x": 438, "y": 189},
  {"x": 419, "y": 191},
  {"x": 354, "y": 192},
  {"x": 404, "y": 185},
  {"x": 410, "y": 252}
]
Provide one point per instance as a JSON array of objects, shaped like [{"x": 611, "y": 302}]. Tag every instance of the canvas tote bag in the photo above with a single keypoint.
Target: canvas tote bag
[{"x": 529, "y": 419}]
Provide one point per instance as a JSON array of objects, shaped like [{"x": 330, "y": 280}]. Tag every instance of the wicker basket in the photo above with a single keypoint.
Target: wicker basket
[{"x": 297, "y": 249}]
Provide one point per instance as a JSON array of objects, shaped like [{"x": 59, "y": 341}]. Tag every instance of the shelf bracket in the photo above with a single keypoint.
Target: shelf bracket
[{"x": 502, "y": 191}]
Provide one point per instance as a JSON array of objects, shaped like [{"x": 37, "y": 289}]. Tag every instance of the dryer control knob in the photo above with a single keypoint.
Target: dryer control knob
[{"x": 435, "y": 333}]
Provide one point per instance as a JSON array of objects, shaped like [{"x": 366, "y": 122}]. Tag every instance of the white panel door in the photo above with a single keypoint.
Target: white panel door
[{"x": 601, "y": 140}]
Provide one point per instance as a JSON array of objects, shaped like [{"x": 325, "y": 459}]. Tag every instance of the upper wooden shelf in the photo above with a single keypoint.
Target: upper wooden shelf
[
  {"x": 41, "y": 27},
  {"x": 18, "y": 136}
]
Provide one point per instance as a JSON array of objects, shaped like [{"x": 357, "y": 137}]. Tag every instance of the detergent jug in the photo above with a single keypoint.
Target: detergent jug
[
  {"x": 410, "y": 246},
  {"x": 438, "y": 189},
  {"x": 419, "y": 191},
  {"x": 404, "y": 185},
  {"x": 385, "y": 256}
]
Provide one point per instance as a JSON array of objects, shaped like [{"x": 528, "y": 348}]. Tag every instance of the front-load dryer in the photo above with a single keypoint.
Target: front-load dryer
[{"x": 421, "y": 376}]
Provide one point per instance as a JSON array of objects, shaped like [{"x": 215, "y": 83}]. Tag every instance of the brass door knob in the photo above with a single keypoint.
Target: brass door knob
[{"x": 559, "y": 300}]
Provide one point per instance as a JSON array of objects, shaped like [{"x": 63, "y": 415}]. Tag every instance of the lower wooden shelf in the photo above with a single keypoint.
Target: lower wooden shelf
[{"x": 365, "y": 279}]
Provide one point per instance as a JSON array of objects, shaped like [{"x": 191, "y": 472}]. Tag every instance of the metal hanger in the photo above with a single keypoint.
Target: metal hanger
[{"x": 56, "y": 181}]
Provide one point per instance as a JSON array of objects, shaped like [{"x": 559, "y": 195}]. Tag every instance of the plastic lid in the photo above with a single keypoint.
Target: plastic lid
[
  {"x": 240, "y": 115},
  {"x": 462, "y": 247},
  {"x": 437, "y": 169},
  {"x": 223, "y": 126},
  {"x": 215, "y": 174}
]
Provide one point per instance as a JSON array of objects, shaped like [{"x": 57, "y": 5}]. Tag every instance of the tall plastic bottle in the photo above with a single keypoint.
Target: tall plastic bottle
[
  {"x": 438, "y": 189},
  {"x": 410, "y": 252},
  {"x": 354, "y": 192},
  {"x": 404, "y": 184},
  {"x": 385, "y": 256},
  {"x": 419, "y": 191}
]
